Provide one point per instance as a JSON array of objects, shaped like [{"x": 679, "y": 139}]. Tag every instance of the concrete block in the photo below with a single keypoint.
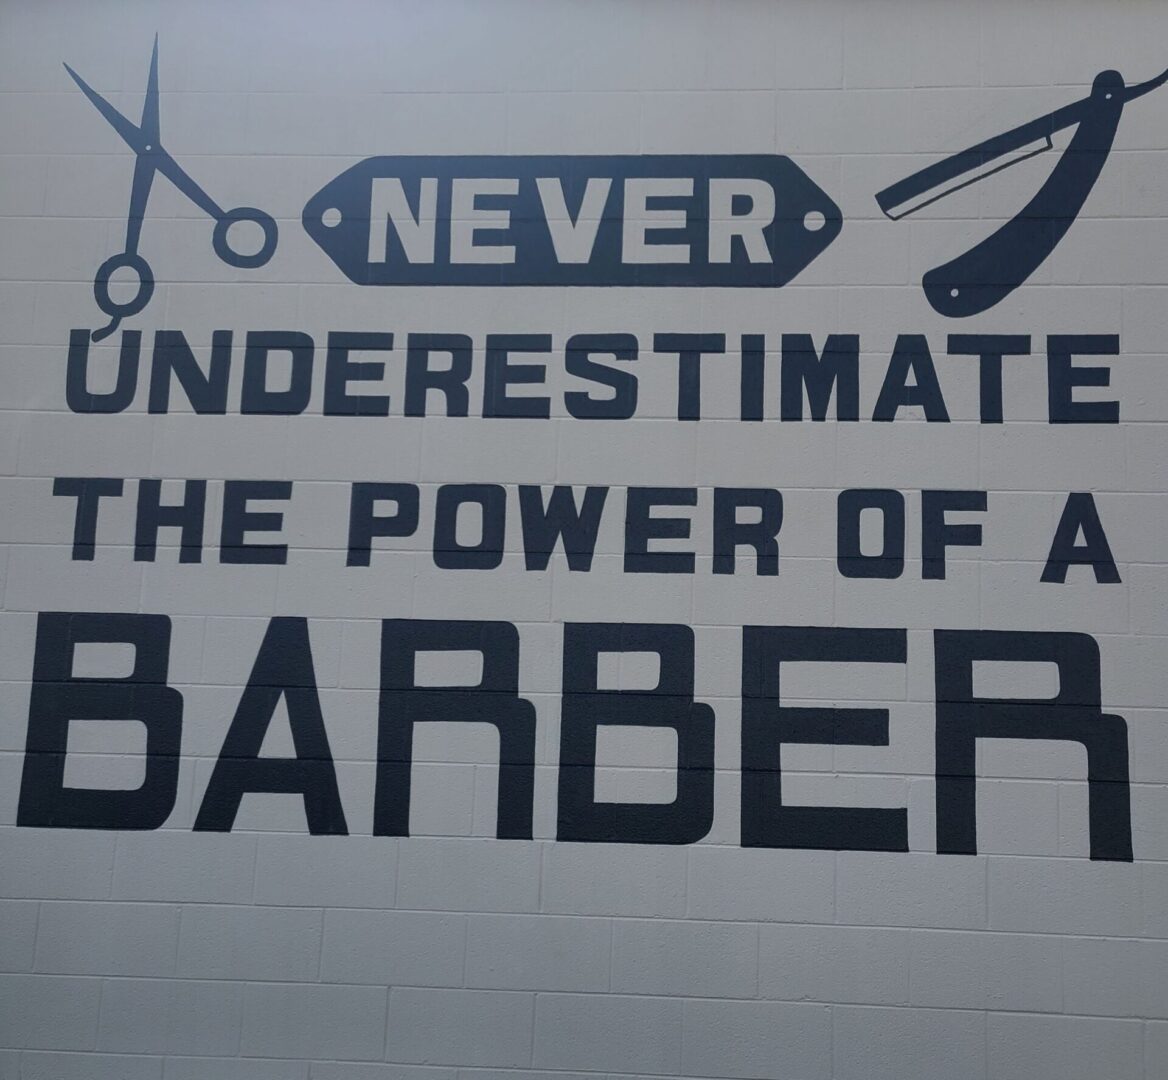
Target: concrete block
[
  {"x": 18, "y": 942},
  {"x": 56, "y": 863},
  {"x": 907, "y": 1044},
  {"x": 607, "y": 1032},
  {"x": 1070, "y": 1047},
  {"x": 612, "y": 879},
  {"x": 344, "y": 1022},
  {"x": 911, "y": 890},
  {"x": 351, "y": 1070},
  {"x": 46, "y": 1012},
  {"x": 761, "y": 886},
  {"x": 316, "y": 871},
  {"x": 834, "y": 963},
  {"x": 393, "y": 948},
  {"x": 107, "y": 939},
  {"x": 187, "y": 867},
  {"x": 1155, "y": 1048},
  {"x": 1109, "y": 977},
  {"x": 38, "y": 1065},
  {"x": 463, "y": 1027},
  {"x": 201, "y": 1068},
  {"x": 538, "y": 952},
  {"x": 979, "y": 970},
  {"x": 684, "y": 959},
  {"x": 160, "y": 1016},
  {"x": 1068, "y": 896},
  {"x": 757, "y": 1039},
  {"x": 476, "y": 874},
  {"x": 220, "y": 941}
]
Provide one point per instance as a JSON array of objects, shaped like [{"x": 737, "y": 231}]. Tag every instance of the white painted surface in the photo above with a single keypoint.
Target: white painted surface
[{"x": 451, "y": 955}]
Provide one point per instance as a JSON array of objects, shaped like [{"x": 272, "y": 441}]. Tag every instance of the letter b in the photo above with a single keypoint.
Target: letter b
[
  {"x": 60, "y": 698},
  {"x": 669, "y": 705}
]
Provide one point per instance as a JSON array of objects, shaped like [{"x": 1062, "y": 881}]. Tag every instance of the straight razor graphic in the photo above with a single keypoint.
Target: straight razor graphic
[{"x": 986, "y": 274}]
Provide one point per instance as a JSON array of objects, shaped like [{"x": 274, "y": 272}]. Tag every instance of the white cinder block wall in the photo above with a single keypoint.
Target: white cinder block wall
[{"x": 174, "y": 954}]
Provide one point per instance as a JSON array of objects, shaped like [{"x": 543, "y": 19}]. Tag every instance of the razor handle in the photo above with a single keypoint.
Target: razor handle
[{"x": 987, "y": 273}]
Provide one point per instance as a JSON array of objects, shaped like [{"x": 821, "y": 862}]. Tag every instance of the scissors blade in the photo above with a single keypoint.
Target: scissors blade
[
  {"x": 150, "y": 124},
  {"x": 177, "y": 175},
  {"x": 126, "y": 129},
  {"x": 144, "y": 169}
]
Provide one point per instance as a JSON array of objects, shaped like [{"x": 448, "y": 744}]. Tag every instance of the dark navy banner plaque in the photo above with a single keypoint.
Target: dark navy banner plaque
[{"x": 722, "y": 220}]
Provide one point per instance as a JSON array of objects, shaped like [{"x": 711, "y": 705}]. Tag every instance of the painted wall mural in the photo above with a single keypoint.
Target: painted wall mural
[{"x": 701, "y": 614}]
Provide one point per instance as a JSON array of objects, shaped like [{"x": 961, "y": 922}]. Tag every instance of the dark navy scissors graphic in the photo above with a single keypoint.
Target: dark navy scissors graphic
[
  {"x": 989, "y": 272},
  {"x": 144, "y": 141}
]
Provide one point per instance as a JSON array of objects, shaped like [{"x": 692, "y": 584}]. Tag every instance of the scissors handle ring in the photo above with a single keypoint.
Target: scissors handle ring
[
  {"x": 124, "y": 260},
  {"x": 223, "y": 249}
]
